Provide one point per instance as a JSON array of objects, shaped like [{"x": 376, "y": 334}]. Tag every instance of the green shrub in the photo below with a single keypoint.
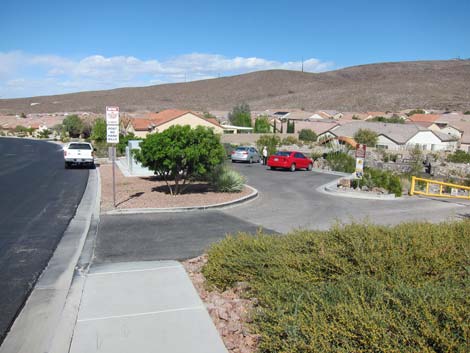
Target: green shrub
[
  {"x": 366, "y": 137},
  {"x": 229, "y": 148},
  {"x": 355, "y": 288},
  {"x": 307, "y": 135},
  {"x": 459, "y": 156},
  {"x": 341, "y": 162},
  {"x": 124, "y": 140},
  {"x": 225, "y": 179},
  {"x": 290, "y": 140},
  {"x": 382, "y": 179},
  {"x": 270, "y": 141}
]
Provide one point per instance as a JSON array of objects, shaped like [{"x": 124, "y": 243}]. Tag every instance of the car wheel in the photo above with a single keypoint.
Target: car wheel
[
  {"x": 310, "y": 167},
  {"x": 292, "y": 167},
  {"x": 233, "y": 161},
  {"x": 272, "y": 168},
  {"x": 67, "y": 166},
  {"x": 251, "y": 160}
]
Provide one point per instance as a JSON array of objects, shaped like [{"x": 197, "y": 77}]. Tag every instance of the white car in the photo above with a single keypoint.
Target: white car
[{"x": 79, "y": 153}]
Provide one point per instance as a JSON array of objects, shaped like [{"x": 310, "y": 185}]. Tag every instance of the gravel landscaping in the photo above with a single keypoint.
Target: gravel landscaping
[
  {"x": 229, "y": 312},
  {"x": 149, "y": 192}
]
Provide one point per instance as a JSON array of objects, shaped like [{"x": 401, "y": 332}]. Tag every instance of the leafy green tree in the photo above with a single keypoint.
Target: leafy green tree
[
  {"x": 307, "y": 135},
  {"x": 262, "y": 125},
  {"x": 366, "y": 137},
  {"x": 98, "y": 130},
  {"x": 240, "y": 115},
  {"x": 270, "y": 141},
  {"x": 21, "y": 130},
  {"x": 181, "y": 154},
  {"x": 416, "y": 111},
  {"x": 73, "y": 125},
  {"x": 395, "y": 119},
  {"x": 124, "y": 140},
  {"x": 467, "y": 112}
]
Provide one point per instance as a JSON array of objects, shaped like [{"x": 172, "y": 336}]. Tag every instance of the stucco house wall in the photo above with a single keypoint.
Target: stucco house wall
[
  {"x": 191, "y": 120},
  {"x": 428, "y": 141},
  {"x": 384, "y": 142}
]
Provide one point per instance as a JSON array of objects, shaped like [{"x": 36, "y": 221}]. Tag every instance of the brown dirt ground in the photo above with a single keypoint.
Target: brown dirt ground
[
  {"x": 149, "y": 192},
  {"x": 229, "y": 312}
]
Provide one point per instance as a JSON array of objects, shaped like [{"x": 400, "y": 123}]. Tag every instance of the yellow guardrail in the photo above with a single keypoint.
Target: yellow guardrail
[{"x": 429, "y": 187}]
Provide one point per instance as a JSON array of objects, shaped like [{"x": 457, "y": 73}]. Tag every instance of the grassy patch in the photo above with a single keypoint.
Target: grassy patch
[{"x": 355, "y": 288}]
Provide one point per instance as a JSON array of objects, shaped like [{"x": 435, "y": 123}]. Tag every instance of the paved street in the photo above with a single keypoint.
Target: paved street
[
  {"x": 38, "y": 199},
  {"x": 287, "y": 201}
]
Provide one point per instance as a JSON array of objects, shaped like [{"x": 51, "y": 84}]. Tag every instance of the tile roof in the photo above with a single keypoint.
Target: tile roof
[
  {"x": 157, "y": 119},
  {"x": 141, "y": 124},
  {"x": 424, "y": 117}
]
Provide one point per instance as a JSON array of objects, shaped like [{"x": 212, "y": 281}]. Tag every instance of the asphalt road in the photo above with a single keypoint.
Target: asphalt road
[
  {"x": 287, "y": 201},
  {"x": 38, "y": 199}
]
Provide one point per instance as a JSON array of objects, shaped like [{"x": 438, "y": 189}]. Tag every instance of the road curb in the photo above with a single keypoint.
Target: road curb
[
  {"x": 36, "y": 326},
  {"x": 331, "y": 188},
  {"x": 223, "y": 205}
]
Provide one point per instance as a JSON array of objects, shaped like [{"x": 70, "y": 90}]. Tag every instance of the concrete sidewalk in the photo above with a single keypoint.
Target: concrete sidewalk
[{"x": 143, "y": 307}]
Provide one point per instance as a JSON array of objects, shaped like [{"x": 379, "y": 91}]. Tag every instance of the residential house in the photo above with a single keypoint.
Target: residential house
[
  {"x": 158, "y": 122},
  {"x": 398, "y": 136},
  {"x": 319, "y": 127}
]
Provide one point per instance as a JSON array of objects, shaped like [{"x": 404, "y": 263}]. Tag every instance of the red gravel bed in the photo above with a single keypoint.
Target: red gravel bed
[
  {"x": 229, "y": 312},
  {"x": 149, "y": 192}
]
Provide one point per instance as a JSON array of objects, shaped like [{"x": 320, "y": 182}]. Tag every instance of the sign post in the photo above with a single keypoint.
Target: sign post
[
  {"x": 112, "y": 137},
  {"x": 360, "y": 158}
]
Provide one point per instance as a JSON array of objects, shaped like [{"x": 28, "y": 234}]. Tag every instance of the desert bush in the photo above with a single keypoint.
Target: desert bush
[
  {"x": 459, "y": 156},
  {"x": 290, "y": 140},
  {"x": 382, "y": 179},
  {"x": 354, "y": 288},
  {"x": 225, "y": 179},
  {"x": 341, "y": 162},
  {"x": 307, "y": 135}
]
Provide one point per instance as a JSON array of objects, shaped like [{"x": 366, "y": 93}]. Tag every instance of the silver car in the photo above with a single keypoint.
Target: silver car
[{"x": 245, "y": 154}]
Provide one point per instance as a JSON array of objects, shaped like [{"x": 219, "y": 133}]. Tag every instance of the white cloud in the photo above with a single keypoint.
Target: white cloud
[{"x": 22, "y": 74}]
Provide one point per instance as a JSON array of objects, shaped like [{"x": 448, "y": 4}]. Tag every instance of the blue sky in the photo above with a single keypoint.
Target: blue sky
[{"x": 49, "y": 47}]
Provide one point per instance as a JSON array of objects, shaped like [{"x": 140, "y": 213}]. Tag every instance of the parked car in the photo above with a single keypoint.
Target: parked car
[
  {"x": 79, "y": 153},
  {"x": 290, "y": 160},
  {"x": 245, "y": 154}
]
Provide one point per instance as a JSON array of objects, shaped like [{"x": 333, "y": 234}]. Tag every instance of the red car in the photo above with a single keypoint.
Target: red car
[{"x": 290, "y": 160}]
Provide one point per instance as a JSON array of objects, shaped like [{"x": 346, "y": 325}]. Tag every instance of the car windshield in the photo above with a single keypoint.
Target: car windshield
[
  {"x": 242, "y": 148},
  {"x": 282, "y": 153},
  {"x": 79, "y": 146}
]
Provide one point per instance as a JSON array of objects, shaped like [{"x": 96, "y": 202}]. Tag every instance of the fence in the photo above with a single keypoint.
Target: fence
[{"x": 429, "y": 187}]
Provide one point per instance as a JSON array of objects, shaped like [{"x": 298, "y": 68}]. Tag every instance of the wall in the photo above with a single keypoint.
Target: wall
[
  {"x": 430, "y": 142},
  {"x": 385, "y": 141},
  {"x": 248, "y": 139}
]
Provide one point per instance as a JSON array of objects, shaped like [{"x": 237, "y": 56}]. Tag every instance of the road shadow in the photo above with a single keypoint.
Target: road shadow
[
  {"x": 202, "y": 188},
  {"x": 133, "y": 196}
]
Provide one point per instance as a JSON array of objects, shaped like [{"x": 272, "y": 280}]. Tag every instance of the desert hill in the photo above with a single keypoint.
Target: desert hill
[{"x": 375, "y": 87}]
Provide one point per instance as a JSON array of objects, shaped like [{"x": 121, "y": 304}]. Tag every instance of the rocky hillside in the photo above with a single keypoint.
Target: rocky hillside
[{"x": 374, "y": 87}]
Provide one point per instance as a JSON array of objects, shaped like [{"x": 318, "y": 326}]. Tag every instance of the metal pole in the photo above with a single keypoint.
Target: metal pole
[{"x": 114, "y": 176}]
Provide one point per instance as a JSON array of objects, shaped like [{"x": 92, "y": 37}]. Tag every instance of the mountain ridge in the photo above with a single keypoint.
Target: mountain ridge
[{"x": 442, "y": 85}]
